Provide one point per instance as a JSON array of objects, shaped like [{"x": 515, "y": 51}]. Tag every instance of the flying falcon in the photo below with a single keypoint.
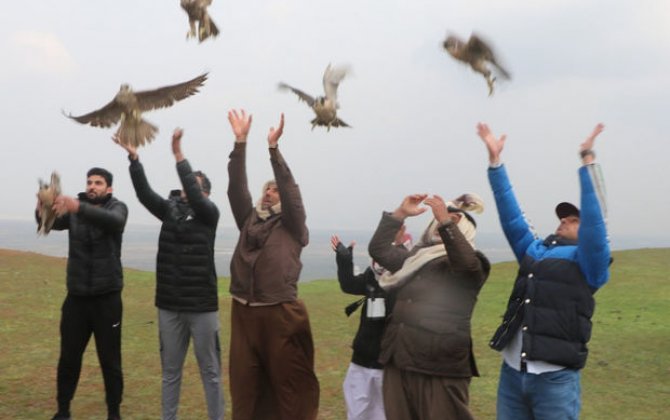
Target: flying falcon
[
  {"x": 478, "y": 55},
  {"x": 128, "y": 107},
  {"x": 326, "y": 106},
  {"x": 46, "y": 194},
  {"x": 197, "y": 13}
]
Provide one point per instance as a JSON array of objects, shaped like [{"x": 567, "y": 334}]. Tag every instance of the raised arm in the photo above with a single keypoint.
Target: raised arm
[
  {"x": 462, "y": 256},
  {"x": 518, "y": 231},
  {"x": 292, "y": 208},
  {"x": 593, "y": 253},
  {"x": 238, "y": 188},
  {"x": 147, "y": 196},
  {"x": 381, "y": 247},
  {"x": 349, "y": 283},
  {"x": 203, "y": 207}
]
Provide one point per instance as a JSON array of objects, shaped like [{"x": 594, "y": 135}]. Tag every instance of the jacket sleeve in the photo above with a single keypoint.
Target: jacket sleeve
[
  {"x": 462, "y": 257},
  {"x": 238, "y": 188},
  {"x": 60, "y": 223},
  {"x": 203, "y": 207},
  {"x": 593, "y": 252},
  {"x": 292, "y": 209},
  {"x": 354, "y": 285},
  {"x": 519, "y": 233},
  {"x": 110, "y": 219},
  {"x": 148, "y": 197},
  {"x": 381, "y": 247}
]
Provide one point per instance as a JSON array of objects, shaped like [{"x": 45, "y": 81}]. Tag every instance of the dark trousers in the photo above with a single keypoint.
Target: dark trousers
[
  {"x": 416, "y": 396},
  {"x": 82, "y": 316},
  {"x": 272, "y": 363}
]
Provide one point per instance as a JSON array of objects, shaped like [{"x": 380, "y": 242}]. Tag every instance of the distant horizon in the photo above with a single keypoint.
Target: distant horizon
[{"x": 140, "y": 243}]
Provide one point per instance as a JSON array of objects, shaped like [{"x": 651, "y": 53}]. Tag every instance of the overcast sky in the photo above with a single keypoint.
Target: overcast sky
[{"x": 413, "y": 109}]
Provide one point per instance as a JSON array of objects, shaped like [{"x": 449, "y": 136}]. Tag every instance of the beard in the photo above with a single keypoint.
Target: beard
[{"x": 97, "y": 199}]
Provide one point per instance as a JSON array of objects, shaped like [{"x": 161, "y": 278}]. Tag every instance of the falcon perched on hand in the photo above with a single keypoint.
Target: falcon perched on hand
[
  {"x": 128, "y": 106},
  {"x": 46, "y": 196},
  {"x": 477, "y": 54},
  {"x": 325, "y": 107},
  {"x": 197, "y": 13}
]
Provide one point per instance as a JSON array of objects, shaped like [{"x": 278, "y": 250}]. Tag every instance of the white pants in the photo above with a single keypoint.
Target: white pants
[{"x": 363, "y": 393}]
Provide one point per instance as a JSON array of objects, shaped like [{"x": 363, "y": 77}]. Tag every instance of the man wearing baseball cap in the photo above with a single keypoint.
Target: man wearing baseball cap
[{"x": 547, "y": 323}]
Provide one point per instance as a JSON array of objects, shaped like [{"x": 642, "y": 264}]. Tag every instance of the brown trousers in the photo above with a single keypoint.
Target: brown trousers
[
  {"x": 272, "y": 363},
  {"x": 417, "y": 396}
]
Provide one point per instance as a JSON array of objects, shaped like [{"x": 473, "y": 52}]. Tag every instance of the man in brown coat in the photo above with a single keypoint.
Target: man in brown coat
[
  {"x": 271, "y": 349},
  {"x": 427, "y": 348}
]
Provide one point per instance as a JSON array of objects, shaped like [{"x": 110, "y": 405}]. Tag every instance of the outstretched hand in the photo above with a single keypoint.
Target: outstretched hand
[
  {"x": 132, "y": 150},
  {"x": 275, "y": 133},
  {"x": 335, "y": 242},
  {"x": 240, "y": 122},
  {"x": 440, "y": 210},
  {"x": 586, "y": 148},
  {"x": 493, "y": 145},
  {"x": 410, "y": 206},
  {"x": 176, "y": 144}
]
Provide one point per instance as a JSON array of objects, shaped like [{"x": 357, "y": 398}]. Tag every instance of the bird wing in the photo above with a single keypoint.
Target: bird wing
[
  {"x": 331, "y": 80},
  {"x": 105, "y": 117},
  {"x": 302, "y": 95},
  {"x": 477, "y": 47},
  {"x": 168, "y": 95}
]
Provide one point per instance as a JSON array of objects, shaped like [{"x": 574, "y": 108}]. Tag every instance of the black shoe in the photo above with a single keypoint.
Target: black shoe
[
  {"x": 61, "y": 416},
  {"x": 114, "y": 417}
]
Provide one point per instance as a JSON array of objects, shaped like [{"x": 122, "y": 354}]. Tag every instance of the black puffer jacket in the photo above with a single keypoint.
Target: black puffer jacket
[
  {"x": 368, "y": 338},
  {"x": 185, "y": 272},
  {"x": 94, "y": 256}
]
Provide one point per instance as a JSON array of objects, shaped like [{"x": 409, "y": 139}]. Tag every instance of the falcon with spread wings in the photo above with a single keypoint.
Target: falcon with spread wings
[
  {"x": 197, "y": 13},
  {"x": 128, "y": 107},
  {"x": 46, "y": 195},
  {"x": 325, "y": 107},
  {"x": 478, "y": 54}
]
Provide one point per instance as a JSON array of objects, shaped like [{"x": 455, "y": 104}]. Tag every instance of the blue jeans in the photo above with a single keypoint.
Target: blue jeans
[{"x": 547, "y": 396}]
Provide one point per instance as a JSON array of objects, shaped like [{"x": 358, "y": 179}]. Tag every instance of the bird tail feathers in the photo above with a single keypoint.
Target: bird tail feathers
[{"x": 137, "y": 133}]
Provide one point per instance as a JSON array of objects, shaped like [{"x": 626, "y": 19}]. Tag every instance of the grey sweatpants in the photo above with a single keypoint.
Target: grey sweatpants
[{"x": 176, "y": 330}]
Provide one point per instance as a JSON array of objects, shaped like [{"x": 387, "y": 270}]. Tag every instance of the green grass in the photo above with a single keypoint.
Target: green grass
[{"x": 627, "y": 375}]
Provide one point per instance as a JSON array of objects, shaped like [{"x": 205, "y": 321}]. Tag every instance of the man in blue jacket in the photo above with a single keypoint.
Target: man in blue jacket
[
  {"x": 186, "y": 281},
  {"x": 547, "y": 323}
]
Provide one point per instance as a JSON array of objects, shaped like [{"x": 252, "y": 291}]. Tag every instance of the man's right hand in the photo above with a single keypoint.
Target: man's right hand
[
  {"x": 410, "y": 206},
  {"x": 493, "y": 145},
  {"x": 132, "y": 150},
  {"x": 240, "y": 122}
]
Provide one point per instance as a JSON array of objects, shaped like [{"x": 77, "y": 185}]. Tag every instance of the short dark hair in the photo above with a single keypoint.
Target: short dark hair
[
  {"x": 206, "y": 184},
  {"x": 103, "y": 173}
]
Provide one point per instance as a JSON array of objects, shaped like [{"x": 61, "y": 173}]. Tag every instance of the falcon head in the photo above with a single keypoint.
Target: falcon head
[{"x": 452, "y": 44}]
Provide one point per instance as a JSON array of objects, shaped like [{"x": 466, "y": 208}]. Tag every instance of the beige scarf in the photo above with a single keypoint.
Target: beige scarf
[
  {"x": 431, "y": 246},
  {"x": 262, "y": 213}
]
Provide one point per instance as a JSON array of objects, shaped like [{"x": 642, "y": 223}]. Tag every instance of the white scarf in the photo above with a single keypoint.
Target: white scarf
[
  {"x": 431, "y": 243},
  {"x": 262, "y": 213}
]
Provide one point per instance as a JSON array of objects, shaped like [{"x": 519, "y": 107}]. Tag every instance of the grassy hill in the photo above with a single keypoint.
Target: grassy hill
[{"x": 627, "y": 375}]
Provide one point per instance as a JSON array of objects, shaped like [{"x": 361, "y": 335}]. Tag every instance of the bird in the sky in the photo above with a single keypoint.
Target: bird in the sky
[
  {"x": 128, "y": 107},
  {"x": 478, "y": 55},
  {"x": 46, "y": 194},
  {"x": 197, "y": 13},
  {"x": 325, "y": 107}
]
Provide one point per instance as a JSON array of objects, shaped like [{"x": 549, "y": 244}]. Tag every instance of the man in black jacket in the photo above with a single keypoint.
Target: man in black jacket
[
  {"x": 95, "y": 221},
  {"x": 186, "y": 282},
  {"x": 363, "y": 384}
]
